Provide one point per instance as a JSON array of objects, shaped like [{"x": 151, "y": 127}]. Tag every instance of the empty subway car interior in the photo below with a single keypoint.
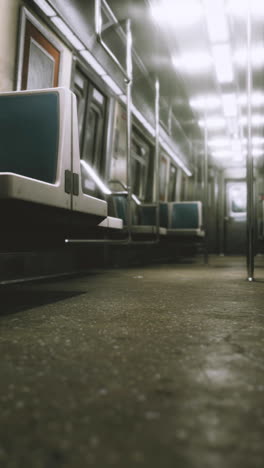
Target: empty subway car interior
[
  {"x": 131, "y": 235},
  {"x": 120, "y": 142}
]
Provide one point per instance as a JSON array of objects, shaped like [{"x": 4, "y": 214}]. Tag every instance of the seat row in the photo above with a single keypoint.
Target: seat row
[
  {"x": 175, "y": 218},
  {"x": 40, "y": 173}
]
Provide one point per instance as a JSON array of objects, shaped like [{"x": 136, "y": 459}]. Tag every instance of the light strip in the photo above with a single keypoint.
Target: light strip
[
  {"x": 143, "y": 121},
  {"x": 135, "y": 198},
  {"x": 165, "y": 146},
  {"x": 257, "y": 152},
  {"x": 76, "y": 43},
  {"x": 174, "y": 156},
  {"x": 256, "y": 120},
  {"x": 216, "y": 20},
  {"x": 213, "y": 123},
  {"x": 205, "y": 102},
  {"x": 256, "y": 141},
  {"x": 219, "y": 143},
  {"x": 229, "y": 104},
  {"x": 222, "y": 154},
  {"x": 45, "y": 7},
  {"x": 223, "y": 63},
  {"x": 89, "y": 58},
  {"x": 240, "y": 8},
  {"x": 95, "y": 177},
  {"x": 257, "y": 54},
  {"x": 112, "y": 84},
  {"x": 193, "y": 63},
  {"x": 176, "y": 14},
  {"x": 257, "y": 99}
]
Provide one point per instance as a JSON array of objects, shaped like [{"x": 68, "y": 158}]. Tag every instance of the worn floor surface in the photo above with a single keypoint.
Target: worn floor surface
[{"x": 152, "y": 367}]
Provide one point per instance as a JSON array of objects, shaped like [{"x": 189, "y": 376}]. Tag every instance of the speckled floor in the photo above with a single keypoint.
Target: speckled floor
[{"x": 156, "y": 367}]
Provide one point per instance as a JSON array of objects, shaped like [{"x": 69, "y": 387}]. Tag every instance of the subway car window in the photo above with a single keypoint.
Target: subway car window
[
  {"x": 140, "y": 152},
  {"x": 172, "y": 183},
  {"x": 163, "y": 177},
  {"x": 91, "y": 118},
  {"x": 141, "y": 157},
  {"x": 118, "y": 162},
  {"x": 183, "y": 187},
  {"x": 41, "y": 60}
]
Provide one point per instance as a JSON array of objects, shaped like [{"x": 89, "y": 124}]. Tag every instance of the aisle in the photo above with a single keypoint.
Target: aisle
[{"x": 158, "y": 367}]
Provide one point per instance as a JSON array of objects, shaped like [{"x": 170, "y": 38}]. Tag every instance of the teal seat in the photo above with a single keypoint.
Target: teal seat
[
  {"x": 185, "y": 216},
  {"x": 185, "y": 219},
  {"x": 29, "y": 135},
  {"x": 147, "y": 215},
  {"x": 164, "y": 215}
]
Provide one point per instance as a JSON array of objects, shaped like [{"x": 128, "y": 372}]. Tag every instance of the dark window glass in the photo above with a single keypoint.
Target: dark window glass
[
  {"x": 172, "y": 183},
  {"x": 91, "y": 118},
  {"x": 163, "y": 176},
  {"x": 140, "y": 152}
]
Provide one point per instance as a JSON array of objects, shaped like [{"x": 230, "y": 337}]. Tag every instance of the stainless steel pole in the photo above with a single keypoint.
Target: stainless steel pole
[
  {"x": 129, "y": 124},
  {"x": 250, "y": 165},
  {"x": 205, "y": 191},
  {"x": 157, "y": 155}
]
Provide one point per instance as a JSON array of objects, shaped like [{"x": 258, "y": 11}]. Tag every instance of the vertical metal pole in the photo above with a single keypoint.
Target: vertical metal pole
[
  {"x": 205, "y": 192},
  {"x": 250, "y": 166},
  {"x": 157, "y": 155},
  {"x": 129, "y": 124}
]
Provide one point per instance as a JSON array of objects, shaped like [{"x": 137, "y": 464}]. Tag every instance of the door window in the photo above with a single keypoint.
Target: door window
[
  {"x": 140, "y": 152},
  {"x": 237, "y": 200},
  {"x": 172, "y": 183},
  {"x": 91, "y": 119}
]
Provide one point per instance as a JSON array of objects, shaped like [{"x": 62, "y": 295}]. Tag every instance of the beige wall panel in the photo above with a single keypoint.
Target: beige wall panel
[{"x": 8, "y": 36}]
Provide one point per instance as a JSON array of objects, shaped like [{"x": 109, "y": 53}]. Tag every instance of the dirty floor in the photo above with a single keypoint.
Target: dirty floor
[{"x": 155, "y": 367}]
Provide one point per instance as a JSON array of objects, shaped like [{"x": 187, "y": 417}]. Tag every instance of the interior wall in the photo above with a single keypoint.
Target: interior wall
[{"x": 8, "y": 42}]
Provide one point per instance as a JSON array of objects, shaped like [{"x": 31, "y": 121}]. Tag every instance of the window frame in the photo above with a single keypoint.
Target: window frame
[
  {"x": 99, "y": 161},
  {"x": 49, "y": 36},
  {"x": 143, "y": 161}
]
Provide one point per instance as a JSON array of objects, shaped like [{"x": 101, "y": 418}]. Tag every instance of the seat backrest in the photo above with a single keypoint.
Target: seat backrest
[
  {"x": 147, "y": 215},
  {"x": 164, "y": 215},
  {"x": 120, "y": 206},
  {"x": 29, "y": 135},
  {"x": 186, "y": 215}
]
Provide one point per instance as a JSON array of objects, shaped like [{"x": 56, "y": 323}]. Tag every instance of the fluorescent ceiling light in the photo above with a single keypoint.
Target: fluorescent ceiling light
[
  {"x": 213, "y": 123},
  {"x": 257, "y": 99},
  {"x": 45, "y": 7},
  {"x": 219, "y": 143},
  {"x": 88, "y": 57},
  {"x": 195, "y": 62},
  {"x": 95, "y": 178},
  {"x": 179, "y": 14},
  {"x": 223, "y": 63},
  {"x": 216, "y": 20},
  {"x": 256, "y": 120},
  {"x": 257, "y": 152},
  {"x": 229, "y": 104},
  {"x": 258, "y": 140},
  {"x": 240, "y": 8},
  {"x": 67, "y": 33},
  {"x": 222, "y": 154},
  {"x": 112, "y": 84},
  {"x": 206, "y": 102},
  {"x": 256, "y": 58}
]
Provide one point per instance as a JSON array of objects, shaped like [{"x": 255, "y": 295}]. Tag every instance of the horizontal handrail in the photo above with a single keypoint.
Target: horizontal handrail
[{"x": 127, "y": 72}]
